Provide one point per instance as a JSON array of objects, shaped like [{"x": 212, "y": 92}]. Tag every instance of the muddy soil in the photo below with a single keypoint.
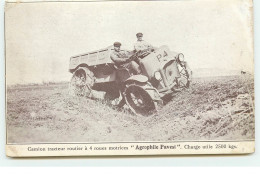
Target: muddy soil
[{"x": 219, "y": 108}]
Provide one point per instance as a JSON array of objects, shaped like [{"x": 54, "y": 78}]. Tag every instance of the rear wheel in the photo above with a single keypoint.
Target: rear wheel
[
  {"x": 139, "y": 100},
  {"x": 82, "y": 82}
]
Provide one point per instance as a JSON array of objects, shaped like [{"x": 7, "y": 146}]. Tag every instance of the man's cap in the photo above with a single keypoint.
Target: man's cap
[
  {"x": 139, "y": 34},
  {"x": 117, "y": 44}
]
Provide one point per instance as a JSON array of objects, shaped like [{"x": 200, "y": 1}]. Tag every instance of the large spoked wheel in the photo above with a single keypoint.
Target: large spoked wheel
[
  {"x": 139, "y": 101},
  {"x": 185, "y": 76},
  {"x": 81, "y": 82}
]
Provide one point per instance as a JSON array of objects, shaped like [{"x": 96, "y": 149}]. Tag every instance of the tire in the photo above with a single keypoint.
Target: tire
[
  {"x": 139, "y": 100},
  {"x": 82, "y": 82}
]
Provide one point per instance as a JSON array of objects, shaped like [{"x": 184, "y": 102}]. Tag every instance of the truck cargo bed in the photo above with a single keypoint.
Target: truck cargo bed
[{"x": 93, "y": 58}]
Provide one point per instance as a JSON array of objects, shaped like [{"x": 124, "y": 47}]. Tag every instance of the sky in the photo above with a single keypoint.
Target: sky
[{"x": 41, "y": 37}]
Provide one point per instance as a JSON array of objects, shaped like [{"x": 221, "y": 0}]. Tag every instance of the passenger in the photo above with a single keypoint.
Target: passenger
[
  {"x": 122, "y": 59},
  {"x": 141, "y": 45}
]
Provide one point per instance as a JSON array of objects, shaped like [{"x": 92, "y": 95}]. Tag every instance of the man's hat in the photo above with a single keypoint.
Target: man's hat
[
  {"x": 139, "y": 34},
  {"x": 117, "y": 44}
]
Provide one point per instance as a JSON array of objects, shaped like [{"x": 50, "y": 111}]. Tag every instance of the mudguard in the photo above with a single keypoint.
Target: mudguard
[{"x": 138, "y": 78}]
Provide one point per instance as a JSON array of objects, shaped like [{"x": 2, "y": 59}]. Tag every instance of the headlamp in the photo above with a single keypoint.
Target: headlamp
[
  {"x": 181, "y": 57},
  {"x": 157, "y": 76}
]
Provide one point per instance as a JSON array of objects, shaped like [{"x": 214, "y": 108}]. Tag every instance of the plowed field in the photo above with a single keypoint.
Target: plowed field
[{"x": 216, "y": 108}]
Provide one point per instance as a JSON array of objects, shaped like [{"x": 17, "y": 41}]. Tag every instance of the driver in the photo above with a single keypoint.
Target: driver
[
  {"x": 141, "y": 45},
  {"x": 122, "y": 59}
]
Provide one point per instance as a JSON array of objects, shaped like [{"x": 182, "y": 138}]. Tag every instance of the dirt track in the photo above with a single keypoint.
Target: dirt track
[{"x": 213, "y": 109}]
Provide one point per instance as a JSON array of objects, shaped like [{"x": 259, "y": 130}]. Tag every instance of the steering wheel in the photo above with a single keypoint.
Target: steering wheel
[
  {"x": 134, "y": 57},
  {"x": 145, "y": 52},
  {"x": 141, "y": 54}
]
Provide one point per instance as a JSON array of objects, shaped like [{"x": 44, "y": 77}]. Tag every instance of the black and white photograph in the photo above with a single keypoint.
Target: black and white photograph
[{"x": 157, "y": 76}]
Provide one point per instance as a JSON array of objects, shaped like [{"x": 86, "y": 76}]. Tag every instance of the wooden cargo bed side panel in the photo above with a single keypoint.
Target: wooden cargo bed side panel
[
  {"x": 74, "y": 62},
  {"x": 91, "y": 59},
  {"x": 104, "y": 57},
  {"x": 84, "y": 58}
]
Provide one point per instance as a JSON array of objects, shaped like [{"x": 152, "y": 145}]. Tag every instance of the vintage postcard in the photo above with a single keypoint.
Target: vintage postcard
[{"x": 91, "y": 78}]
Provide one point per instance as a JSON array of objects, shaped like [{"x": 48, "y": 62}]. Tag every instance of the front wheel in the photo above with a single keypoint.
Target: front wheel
[{"x": 139, "y": 100}]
